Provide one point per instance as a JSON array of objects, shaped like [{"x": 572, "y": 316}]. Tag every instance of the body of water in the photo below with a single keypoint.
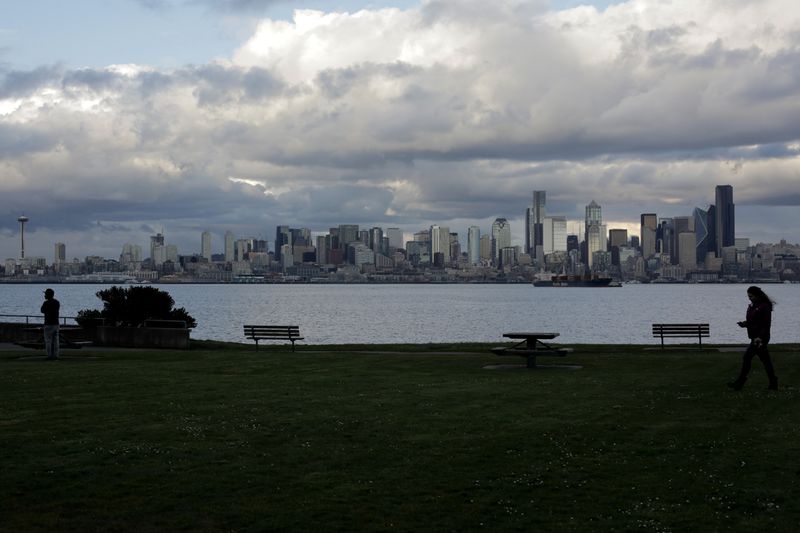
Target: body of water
[{"x": 373, "y": 314}]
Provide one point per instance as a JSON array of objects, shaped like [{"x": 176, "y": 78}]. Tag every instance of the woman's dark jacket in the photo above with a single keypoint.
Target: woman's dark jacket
[{"x": 759, "y": 319}]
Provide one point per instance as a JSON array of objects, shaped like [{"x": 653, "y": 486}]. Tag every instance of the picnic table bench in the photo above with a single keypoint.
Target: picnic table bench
[
  {"x": 531, "y": 346},
  {"x": 681, "y": 330},
  {"x": 258, "y": 332}
]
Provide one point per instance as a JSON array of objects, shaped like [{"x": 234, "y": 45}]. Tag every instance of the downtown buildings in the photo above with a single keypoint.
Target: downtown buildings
[{"x": 697, "y": 246}]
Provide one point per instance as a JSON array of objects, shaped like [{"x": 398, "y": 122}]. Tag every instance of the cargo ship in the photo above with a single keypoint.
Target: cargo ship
[{"x": 575, "y": 281}]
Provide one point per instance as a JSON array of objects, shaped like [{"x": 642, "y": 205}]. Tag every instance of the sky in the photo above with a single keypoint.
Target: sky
[{"x": 123, "y": 118}]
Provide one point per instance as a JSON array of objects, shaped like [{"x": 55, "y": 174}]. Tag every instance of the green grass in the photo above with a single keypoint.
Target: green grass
[{"x": 220, "y": 438}]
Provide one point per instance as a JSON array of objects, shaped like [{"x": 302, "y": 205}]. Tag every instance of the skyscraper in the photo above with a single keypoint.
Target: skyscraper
[
  {"x": 230, "y": 245},
  {"x": 283, "y": 236},
  {"x": 701, "y": 235},
  {"x": 474, "y": 244},
  {"x": 156, "y": 241},
  {"x": 501, "y": 237},
  {"x": 649, "y": 224},
  {"x": 725, "y": 222},
  {"x": 205, "y": 245},
  {"x": 594, "y": 231},
  {"x": 535, "y": 221},
  {"x": 395, "y": 237},
  {"x": 440, "y": 243},
  {"x": 60, "y": 253}
]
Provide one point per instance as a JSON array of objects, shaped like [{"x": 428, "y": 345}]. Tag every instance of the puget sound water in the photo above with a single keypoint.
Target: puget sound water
[{"x": 406, "y": 313}]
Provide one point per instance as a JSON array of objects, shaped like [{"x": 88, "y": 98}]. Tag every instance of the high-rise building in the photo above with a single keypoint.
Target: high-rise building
[
  {"x": 347, "y": 233},
  {"x": 501, "y": 237},
  {"x": 649, "y": 224},
  {"x": 376, "y": 240},
  {"x": 283, "y": 237},
  {"x": 534, "y": 224},
  {"x": 554, "y": 236},
  {"x": 617, "y": 238},
  {"x": 395, "y": 237},
  {"x": 205, "y": 245},
  {"x": 687, "y": 249},
  {"x": 156, "y": 241},
  {"x": 683, "y": 224},
  {"x": 595, "y": 231},
  {"x": 474, "y": 245},
  {"x": 60, "y": 255},
  {"x": 230, "y": 247},
  {"x": 725, "y": 222},
  {"x": 486, "y": 247},
  {"x": 701, "y": 235},
  {"x": 440, "y": 242},
  {"x": 665, "y": 239}
]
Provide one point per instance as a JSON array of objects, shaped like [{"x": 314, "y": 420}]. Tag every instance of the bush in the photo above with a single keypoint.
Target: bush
[{"x": 130, "y": 307}]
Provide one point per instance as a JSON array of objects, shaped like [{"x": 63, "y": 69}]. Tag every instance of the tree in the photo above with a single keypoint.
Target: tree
[{"x": 130, "y": 307}]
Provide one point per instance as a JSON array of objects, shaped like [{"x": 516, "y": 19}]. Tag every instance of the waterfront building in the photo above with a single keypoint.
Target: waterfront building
[
  {"x": 474, "y": 245},
  {"x": 725, "y": 222},
  {"x": 508, "y": 257},
  {"x": 205, "y": 245}
]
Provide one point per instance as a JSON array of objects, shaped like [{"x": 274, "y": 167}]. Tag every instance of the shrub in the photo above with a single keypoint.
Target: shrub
[{"x": 130, "y": 307}]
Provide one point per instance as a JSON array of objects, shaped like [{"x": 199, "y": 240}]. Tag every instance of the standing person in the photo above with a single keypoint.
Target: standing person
[
  {"x": 759, "y": 319},
  {"x": 50, "y": 308}
]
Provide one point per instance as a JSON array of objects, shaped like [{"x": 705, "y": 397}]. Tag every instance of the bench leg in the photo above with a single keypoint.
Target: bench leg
[
  {"x": 292, "y": 344},
  {"x": 531, "y": 361},
  {"x": 256, "y": 344}
]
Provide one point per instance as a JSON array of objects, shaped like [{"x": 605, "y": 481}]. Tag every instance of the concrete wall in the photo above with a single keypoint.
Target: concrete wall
[
  {"x": 20, "y": 332},
  {"x": 172, "y": 338}
]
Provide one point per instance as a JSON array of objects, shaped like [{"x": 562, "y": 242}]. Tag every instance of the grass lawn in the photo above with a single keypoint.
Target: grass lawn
[{"x": 221, "y": 438}]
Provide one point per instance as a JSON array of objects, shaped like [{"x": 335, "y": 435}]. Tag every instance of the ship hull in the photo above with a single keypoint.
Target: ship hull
[{"x": 573, "y": 281}]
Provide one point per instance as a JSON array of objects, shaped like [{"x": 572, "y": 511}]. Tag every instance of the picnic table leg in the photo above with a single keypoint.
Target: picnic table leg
[{"x": 531, "y": 361}]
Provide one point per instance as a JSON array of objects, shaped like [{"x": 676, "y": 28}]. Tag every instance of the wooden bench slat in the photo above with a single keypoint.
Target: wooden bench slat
[
  {"x": 682, "y": 330},
  {"x": 259, "y": 332}
]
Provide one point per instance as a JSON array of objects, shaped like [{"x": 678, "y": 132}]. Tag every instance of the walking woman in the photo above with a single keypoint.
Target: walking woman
[{"x": 759, "y": 319}]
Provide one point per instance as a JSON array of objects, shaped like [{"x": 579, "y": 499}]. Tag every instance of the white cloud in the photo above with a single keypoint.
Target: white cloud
[{"x": 447, "y": 112}]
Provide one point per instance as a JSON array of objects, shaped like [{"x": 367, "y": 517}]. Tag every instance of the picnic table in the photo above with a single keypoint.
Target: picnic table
[{"x": 531, "y": 345}]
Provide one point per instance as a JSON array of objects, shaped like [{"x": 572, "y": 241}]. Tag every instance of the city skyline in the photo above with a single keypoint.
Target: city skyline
[{"x": 399, "y": 114}]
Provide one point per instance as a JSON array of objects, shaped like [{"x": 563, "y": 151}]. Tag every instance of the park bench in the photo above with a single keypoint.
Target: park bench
[
  {"x": 257, "y": 333},
  {"x": 531, "y": 346},
  {"x": 681, "y": 330}
]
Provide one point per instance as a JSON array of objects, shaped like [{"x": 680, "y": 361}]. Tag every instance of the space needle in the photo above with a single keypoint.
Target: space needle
[{"x": 22, "y": 220}]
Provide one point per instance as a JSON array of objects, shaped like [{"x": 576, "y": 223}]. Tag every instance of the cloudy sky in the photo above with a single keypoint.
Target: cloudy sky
[{"x": 120, "y": 118}]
